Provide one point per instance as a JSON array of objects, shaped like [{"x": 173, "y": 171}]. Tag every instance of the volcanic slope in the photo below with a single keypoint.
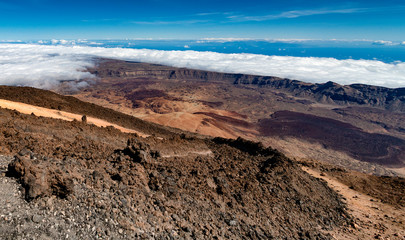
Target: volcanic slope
[
  {"x": 54, "y": 101},
  {"x": 355, "y": 117},
  {"x": 72, "y": 179},
  {"x": 82, "y": 181}
]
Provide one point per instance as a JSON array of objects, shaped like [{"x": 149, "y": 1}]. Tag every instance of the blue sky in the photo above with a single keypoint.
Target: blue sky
[{"x": 178, "y": 19}]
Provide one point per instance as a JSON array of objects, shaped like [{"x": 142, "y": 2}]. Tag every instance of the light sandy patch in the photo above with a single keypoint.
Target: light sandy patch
[
  {"x": 67, "y": 116},
  {"x": 372, "y": 218},
  {"x": 325, "y": 105},
  {"x": 204, "y": 153},
  {"x": 176, "y": 114},
  {"x": 400, "y": 171},
  {"x": 189, "y": 122}
]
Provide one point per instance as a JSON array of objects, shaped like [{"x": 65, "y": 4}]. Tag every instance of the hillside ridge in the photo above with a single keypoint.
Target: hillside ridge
[{"x": 359, "y": 94}]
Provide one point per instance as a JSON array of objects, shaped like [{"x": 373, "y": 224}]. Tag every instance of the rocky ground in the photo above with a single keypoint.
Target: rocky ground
[
  {"x": 373, "y": 218},
  {"x": 130, "y": 195},
  {"x": 50, "y": 218},
  {"x": 73, "y": 180},
  {"x": 369, "y": 137}
]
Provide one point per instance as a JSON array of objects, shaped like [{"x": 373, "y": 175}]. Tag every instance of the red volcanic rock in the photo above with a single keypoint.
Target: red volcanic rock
[{"x": 40, "y": 178}]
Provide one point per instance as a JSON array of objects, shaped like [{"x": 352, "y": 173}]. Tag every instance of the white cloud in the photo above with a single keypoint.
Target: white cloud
[
  {"x": 44, "y": 66},
  {"x": 10, "y": 41},
  {"x": 63, "y": 42},
  {"x": 179, "y": 22},
  {"x": 224, "y": 40},
  {"x": 98, "y": 44},
  {"x": 281, "y": 40},
  {"x": 382, "y": 42},
  {"x": 40, "y": 66},
  {"x": 296, "y": 14}
]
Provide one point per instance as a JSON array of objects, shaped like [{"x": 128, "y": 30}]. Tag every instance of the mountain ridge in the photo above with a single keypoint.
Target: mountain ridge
[{"x": 359, "y": 94}]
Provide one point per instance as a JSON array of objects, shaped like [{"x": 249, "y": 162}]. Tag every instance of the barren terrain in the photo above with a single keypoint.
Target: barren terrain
[
  {"x": 73, "y": 179},
  {"x": 147, "y": 166},
  {"x": 180, "y": 186},
  {"x": 232, "y": 105},
  {"x": 51, "y": 113},
  {"x": 371, "y": 217}
]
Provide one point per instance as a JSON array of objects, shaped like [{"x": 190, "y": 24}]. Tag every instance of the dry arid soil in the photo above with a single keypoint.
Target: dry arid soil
[
  {"x": 346, "y": 124},
  {"x": 164, "y": 160},
  {"x": 82, "y": 181},
  {"x": 75, "y": 180}
]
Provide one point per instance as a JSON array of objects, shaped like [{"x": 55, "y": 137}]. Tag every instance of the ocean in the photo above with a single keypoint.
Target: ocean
[{"x": 387, "y": 52}]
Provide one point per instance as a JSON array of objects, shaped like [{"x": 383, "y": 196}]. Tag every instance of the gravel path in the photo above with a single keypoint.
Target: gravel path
[{"x": 373, "y": 219}]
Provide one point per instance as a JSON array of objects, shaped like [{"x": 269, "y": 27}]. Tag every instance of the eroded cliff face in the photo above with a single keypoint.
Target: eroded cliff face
[{"x": 329, "y": 92}]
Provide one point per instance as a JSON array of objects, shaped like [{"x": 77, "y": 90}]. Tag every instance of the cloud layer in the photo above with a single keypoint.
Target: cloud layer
[
  {"x": 297, "y": 14},
  {"x": 45, "y": 66}
]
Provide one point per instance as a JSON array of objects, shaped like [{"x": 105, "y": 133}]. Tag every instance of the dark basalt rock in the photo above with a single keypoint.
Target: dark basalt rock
[
  {"x": 139, "y": 151},
  {"x": 334, "y": 134},
  {"x": 40, "y": 178}
]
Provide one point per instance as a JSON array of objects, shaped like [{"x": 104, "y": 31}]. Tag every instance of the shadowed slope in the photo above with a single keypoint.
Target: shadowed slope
[{"x": 378, "y": 148}]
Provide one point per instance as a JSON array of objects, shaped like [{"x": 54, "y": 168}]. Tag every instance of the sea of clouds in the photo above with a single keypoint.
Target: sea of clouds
[{"x": 44, "y": 66}]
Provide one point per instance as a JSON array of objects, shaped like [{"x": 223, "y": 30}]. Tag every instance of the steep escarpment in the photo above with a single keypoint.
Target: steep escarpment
[{"x": 329, "y": 92}]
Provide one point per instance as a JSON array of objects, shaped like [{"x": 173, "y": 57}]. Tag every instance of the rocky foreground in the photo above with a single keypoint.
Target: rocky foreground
[
  {"x": 135, "y": 193},
  {"x": 73, "y": 180},
  {"x": 76, "y": 181}
]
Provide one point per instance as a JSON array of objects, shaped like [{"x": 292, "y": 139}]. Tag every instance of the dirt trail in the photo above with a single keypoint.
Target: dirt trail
[
  {"x": 372, "y": 218},
  {"x": 203, "y": 153},
  {"x": 51, "y": 113}
]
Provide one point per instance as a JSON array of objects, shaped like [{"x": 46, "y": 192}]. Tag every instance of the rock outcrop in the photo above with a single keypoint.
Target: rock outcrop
[{"x": 40, "y": 177}]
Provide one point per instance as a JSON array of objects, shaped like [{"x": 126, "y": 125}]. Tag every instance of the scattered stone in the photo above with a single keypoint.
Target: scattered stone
[
  {"x": 233, "y": 223},
  {"x": 98, "y": 187},
  {"x": 37, "y": 218},
  {"x": 24, "y": 152}
]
